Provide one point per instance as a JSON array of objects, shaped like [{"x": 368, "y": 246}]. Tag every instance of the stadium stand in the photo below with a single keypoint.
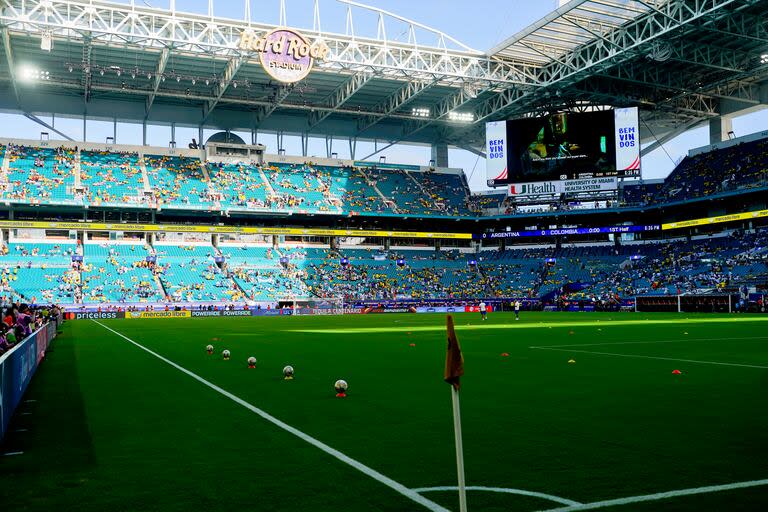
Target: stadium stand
[
  {"x": 118, "y": 273},
  {"x": 111, "y": 178},
  {"x": 123, "y": 273},
  {"x": 39, "y": 175}
]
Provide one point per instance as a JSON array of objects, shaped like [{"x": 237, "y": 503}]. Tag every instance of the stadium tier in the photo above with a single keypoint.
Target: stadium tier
[
  {"x": 123, "y": 273},
  {"x": 37, "y": 175}
]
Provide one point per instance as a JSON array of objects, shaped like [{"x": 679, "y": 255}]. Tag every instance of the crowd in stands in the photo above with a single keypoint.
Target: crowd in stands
[
  {"x": 134, "y": 273},
  {"x": 39, "y": 175},
  {"x": 47, "y": 175},
  {"x": 18, "y": 321}
]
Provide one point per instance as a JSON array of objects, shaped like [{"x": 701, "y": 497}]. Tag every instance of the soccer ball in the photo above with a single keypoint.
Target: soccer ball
[
  {"x": 225, "y": 354},
  {"x": 341, "y": 386},
  {"x": 209, "y": 349},
  {"x": 252, "y": 362},
  {"x": 288, "y": 372}
]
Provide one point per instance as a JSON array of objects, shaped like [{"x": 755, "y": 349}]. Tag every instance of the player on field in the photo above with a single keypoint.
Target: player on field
[
  {"x": 517, "y": 310},
  {"x": 483, "y": 310}
]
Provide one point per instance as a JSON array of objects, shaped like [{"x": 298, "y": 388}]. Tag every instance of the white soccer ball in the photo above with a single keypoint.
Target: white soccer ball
[
  {"x": 209, "y": 348},
  {"x": 252, "y": 361},
  {"x": 288, "y": 371},
  {"x": 225, "y": 354},
  {"x": 341, "y": 386}
]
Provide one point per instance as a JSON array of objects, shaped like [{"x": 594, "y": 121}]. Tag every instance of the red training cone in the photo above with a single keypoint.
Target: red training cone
[
  {"x": 676, "y": 372},
  {"x": 505, "y": 354}
]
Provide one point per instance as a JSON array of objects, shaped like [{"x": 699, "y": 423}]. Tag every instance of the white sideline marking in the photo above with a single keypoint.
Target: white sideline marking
[
  {"x": 661, "y": 496},
  {"x": 718, "y": 363},
  {"x": 405, "y": 491},
  {"x": 505, "y": 490},
  {"x": 12, "y": 453},
  {"x": 540, "y": 325},
  {"x": 681, "y": 340}
]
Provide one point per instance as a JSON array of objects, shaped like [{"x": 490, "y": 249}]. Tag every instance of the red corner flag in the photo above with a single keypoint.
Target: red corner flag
[{"x": 454, "y": 361}]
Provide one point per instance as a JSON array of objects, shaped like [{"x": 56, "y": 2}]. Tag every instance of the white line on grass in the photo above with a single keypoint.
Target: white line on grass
[
  {"x": 661, "y": 496},
  {"x": 405, "y": 491},
  {"x": 718, "y": 363},
  {"x": 12, "y": 453},
  {"x": 505, "y": 490},
  {"x": 539, "y": 325},
  {"x": 681, "y": 340}
]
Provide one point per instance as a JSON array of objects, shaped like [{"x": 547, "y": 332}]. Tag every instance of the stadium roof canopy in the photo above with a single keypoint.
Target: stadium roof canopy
[{"x": 682, "y": 62}]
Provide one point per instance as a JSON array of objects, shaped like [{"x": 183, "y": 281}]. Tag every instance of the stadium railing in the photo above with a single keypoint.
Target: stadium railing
[{"x": 17, "y": 366}]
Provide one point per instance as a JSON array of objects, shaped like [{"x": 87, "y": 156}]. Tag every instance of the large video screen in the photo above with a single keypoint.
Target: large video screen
[{"x": 563, "y": 146}]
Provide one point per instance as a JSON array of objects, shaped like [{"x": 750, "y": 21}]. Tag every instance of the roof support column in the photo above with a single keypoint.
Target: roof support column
[
  {"x": 720, "y": 128},
  {"x": 352, "y": 147},
  {"x": 440, "y": 154}
]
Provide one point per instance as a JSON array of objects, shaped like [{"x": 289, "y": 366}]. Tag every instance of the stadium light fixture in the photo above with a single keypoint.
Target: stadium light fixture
[
  {"x": 462, "y": 117},
  {"x": 764, "y": 58},
  {"x": 32, "y": 74},
  {"x": 420, "y": 112}
]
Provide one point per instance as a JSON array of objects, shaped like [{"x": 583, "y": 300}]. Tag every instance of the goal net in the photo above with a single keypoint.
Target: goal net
[{"x": 318, "y": 306}]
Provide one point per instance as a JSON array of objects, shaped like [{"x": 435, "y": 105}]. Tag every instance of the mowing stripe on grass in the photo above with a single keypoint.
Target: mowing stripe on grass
[
  {"x": 661, "y": 496},
  {"x": 524, "y": 325},
  {"x": 718, "y": 363},
  {"x": 505, "y": 490},
  {"x": 681, "y": 340},
  {"x": 405, "y": 491}
]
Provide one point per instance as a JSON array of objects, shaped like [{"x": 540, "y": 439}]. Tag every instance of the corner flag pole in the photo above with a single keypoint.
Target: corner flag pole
[
  {"x": 454, "y": 369},
  {"x": 459, "y": 450}
]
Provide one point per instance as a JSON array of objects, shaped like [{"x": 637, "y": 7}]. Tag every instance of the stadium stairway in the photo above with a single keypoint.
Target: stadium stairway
[
  {"x": 266, "y": 181},
  {"x": 6, "y": 156},
  {"x": 144, "y": 175},
  {"x": 76, "y": 169},
  {"x": 390, "y": 203}
]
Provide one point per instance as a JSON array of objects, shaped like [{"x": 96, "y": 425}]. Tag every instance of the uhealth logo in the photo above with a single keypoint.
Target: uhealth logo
[{"x": 534, "y": 188}]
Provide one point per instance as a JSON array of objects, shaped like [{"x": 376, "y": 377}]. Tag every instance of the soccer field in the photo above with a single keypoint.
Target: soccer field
[{"x": 134, "y": 415}]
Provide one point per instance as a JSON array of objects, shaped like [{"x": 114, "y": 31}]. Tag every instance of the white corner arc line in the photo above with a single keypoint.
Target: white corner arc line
[
  {"x": 505, "y": 490},
  {"x": 400, "y": 488},
  {"x": 661, "y": 496},
  {"x": 636, "y": 356}
]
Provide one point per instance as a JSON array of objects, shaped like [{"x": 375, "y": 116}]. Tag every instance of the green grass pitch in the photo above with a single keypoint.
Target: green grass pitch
[{"x": 111, "y": 427}]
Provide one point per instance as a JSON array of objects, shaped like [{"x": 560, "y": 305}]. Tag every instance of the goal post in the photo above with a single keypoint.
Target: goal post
[{"x": 318, "y": 306}]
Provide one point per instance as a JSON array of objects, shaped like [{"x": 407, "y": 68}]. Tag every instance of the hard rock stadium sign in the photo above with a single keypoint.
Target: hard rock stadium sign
[{"x": 286, "y": 55}]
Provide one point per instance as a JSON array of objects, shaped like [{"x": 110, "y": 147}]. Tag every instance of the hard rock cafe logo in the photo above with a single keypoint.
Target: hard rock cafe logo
[{"x": 286, "y": 55}]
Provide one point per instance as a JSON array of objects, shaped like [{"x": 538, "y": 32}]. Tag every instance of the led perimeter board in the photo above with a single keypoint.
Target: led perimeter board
[{"x": 563, "y": 146}]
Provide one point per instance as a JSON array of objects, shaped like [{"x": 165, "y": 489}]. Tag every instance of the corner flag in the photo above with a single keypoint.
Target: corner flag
[
  {"x": 454, "y": 369},
  {"x": 454, "y": 361}
]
